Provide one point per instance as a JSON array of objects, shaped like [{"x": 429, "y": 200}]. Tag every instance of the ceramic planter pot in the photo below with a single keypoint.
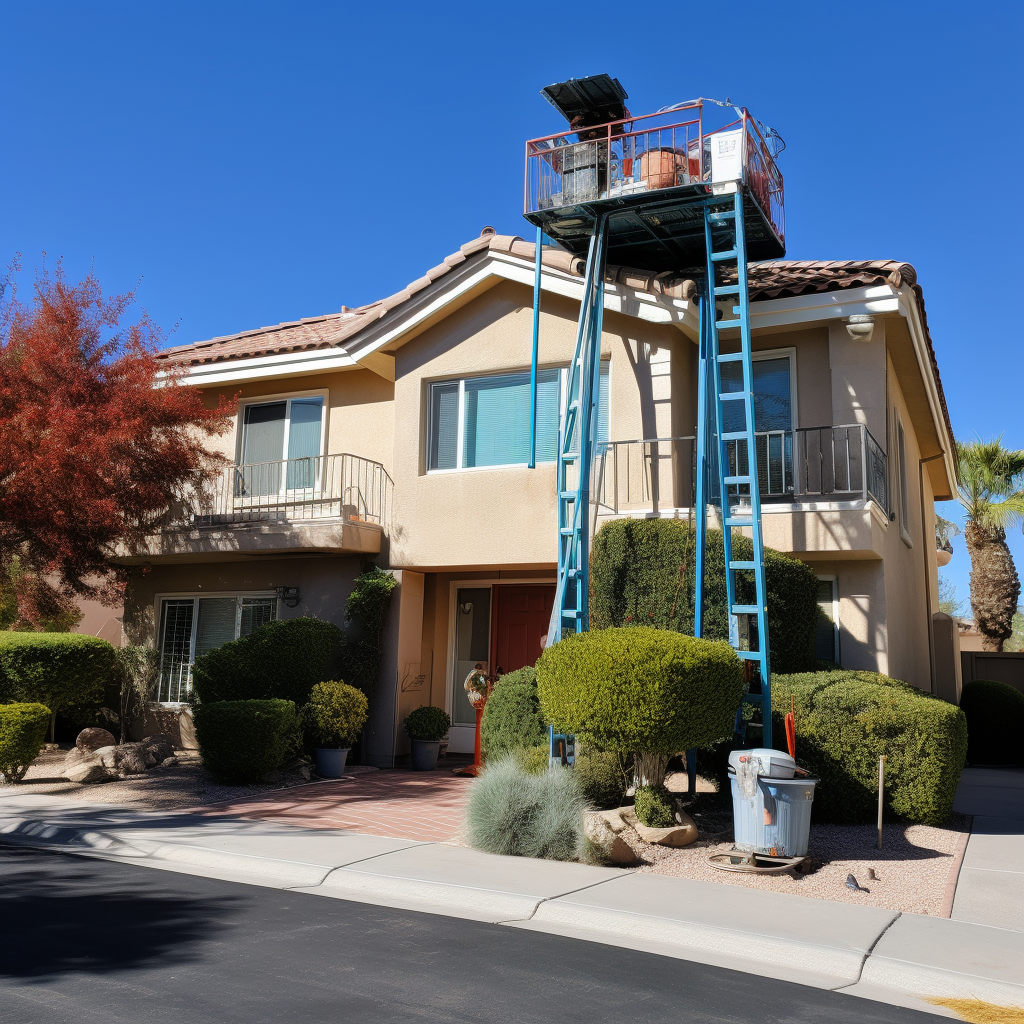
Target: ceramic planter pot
[
  {"x": 330, "y": 763},
  {"x": 425, "y": 754}
]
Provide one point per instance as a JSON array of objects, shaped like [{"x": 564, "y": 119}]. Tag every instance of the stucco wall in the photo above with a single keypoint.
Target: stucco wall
[{"x": 863, "y": 637}]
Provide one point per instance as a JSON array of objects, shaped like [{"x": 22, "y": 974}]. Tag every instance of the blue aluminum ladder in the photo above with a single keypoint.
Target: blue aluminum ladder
[
  {"x": 576, "y": 439},
  {"x": 727, "y": 459}
]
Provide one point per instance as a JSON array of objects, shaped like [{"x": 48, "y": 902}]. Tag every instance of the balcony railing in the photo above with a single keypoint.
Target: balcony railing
[
  {"x": 341, "y": 486},
  {"x": 803, "y": 466},
  {"x": 648, "y": 153}
]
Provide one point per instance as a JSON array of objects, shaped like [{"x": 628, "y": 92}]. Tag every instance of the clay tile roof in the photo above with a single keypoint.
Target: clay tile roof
[{"x": 775, "y": 279}]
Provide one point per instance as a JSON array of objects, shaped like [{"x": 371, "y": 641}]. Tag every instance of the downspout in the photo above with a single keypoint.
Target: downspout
[
  {"x": 927, "y": 575},
  {"x": 537, "y": 260}
]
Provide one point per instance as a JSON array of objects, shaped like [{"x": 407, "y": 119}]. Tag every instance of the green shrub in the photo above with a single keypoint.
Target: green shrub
[
  {"x": 282, "y": 660},
  {"x": 520, "y": 814},
  {"x": 640, "y": 689},
  {"x": 602, "y": 776},
  {"x": 846, "y": 720},
  {"x": 22, "y": 733},
  {"x": 65, "y": 671},
  {"x": 242, "y": 740},
  {"x": 642, "y": 573},
  {"x": 533, "y": 760},
  {"x": 512, "y": 718},
  {"x": 366, "y": 612},
  {"x": 334, "y": 716},
  {"x": 427, "y": 724},
  {"x": 653, "y": 807},
  {"x": 994, "y": 713}
]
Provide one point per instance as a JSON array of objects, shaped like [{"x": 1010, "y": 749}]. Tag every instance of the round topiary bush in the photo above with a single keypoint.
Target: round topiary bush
[
  {"x": 650, "y": 692},
  {"x": 334, "y": 716},
  {"x": 282, "y": 660},
  {"x": 602, "y": 776},
  {"x": 22, "y": 733},
  {"x": 426, "y": 723},
  {"x": 242, "y": 740},
  {"x": 521, "y": 814},
  {"x": 512, "y": 718},
  {"x": 994, "y": 713},
  {"x": 653, "y": 807}
]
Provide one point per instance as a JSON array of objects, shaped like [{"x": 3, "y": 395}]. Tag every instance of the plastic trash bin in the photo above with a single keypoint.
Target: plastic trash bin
[{"x": 775, "y": 819}]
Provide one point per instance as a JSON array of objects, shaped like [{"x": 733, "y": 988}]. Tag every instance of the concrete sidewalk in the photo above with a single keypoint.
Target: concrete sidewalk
[
  {"x": 864, "y": 951},
  {"x": 990, "y": 888}
]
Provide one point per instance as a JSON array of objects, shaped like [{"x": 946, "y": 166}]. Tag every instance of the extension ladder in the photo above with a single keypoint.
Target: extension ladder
[
  {"x": 727, "y": 451},
  {"x": 576, "y": 439}
]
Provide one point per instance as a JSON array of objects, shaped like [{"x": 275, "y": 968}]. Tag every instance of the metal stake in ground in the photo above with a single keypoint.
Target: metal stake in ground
[{"x": 881, "y": 794}]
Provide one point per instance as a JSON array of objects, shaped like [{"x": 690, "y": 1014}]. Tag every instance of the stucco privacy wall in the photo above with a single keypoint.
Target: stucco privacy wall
[
  {"x": 359, "y": 421},
  {"x": 505, "y": 515}
]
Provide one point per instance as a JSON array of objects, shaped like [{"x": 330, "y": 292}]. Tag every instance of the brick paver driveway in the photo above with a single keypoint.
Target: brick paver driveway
[{"x": 397, "y": 803}]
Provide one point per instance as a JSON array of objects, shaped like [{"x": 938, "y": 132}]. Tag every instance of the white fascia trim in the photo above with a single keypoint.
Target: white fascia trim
[
  {"x": 874, "y": 299},
  {"x": 285, "y": 364}
]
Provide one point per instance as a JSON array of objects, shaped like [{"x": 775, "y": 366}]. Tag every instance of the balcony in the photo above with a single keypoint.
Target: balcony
[
  {"x": 834, "y": 475},
  {"x": 338, "y": 504}
]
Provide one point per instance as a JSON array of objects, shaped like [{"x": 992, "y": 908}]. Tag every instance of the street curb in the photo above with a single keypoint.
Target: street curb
[{"x": 949, "y": 895}]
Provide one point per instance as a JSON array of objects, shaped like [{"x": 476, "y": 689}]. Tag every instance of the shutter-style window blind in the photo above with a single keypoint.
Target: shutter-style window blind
[
  {"x": 773, "y": 402},
  {"x": 304, "y": 426},
  {"x": 602, "y": 404},
  {"x": 549, "y": 398},
  {"x": 825, "y": 632},
  {"x": 444, "y": 426},
  {"x": 175, "y": 650},
  {"x": 262, "y": 442},
  {"x": 497, "y": 420},
  {"x": 256, "y": 612},
  {"x": 217, "y": 622}
]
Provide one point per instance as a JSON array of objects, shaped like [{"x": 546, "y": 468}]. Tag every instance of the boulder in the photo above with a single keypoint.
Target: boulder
[
  {"x": 681, "y": 834},
  {"x": 85, "y": 766},
  {"x": 130, "y": 758},
  {"x": 94, "y": 738},
  {"x": 611, "y": 846},
  {"x": 158, "y": 749},
  {"x": 108, "y": 755}
]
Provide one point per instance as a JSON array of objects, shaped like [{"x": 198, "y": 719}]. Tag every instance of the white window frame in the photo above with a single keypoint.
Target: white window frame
[
  {"x": 287, "y": 398},
  {"x": 158, "y": 607},
  {"x": 902, "y": 479},
  {"x": 834, "y": 580},
  {"x": 563, "y": 385}
]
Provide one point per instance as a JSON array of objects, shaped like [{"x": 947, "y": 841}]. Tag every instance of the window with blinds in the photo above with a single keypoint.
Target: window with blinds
[
  {"x": 485, "y": 421},
  {"x": 281, "y": 445},
  {"x": 192, "y": 626},
  {"x": 826, "y": 638}
]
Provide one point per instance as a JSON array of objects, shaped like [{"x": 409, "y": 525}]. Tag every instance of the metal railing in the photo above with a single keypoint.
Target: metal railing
[
  {"x": 643, "y": 154},
  {"x": 339, "y": 486},
  {"x": 803, "y": 466}
]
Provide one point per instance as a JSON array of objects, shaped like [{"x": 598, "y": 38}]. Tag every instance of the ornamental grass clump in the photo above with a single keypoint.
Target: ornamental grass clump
[
  {"x": 647, "y": 692},
  {"x": 520, "y": 814},
  {"x": 22, "y": 733},
  {"x": 334, "y": 716}
]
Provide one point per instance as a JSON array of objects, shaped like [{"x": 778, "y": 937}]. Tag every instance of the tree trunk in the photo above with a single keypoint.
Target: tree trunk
[
  {"x": 649, "y": 769},
  {"x": 995, "y": 586}
]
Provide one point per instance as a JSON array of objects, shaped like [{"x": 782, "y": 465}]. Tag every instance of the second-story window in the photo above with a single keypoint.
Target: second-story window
[
  {"x": 281, "y": 444},
  {"x": 485, "y": 421}
]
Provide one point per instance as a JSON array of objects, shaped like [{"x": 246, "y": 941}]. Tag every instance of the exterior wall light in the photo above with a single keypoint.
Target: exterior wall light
[
  {"x": 860, "y": 328},
  {"x": 288, "y": 595}
]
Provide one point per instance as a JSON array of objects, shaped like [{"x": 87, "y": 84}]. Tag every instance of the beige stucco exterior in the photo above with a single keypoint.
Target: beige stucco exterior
[{"x": 497, "y": 525}]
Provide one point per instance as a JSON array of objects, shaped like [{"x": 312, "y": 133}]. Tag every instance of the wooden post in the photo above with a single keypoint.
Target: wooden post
[{"x": 881, "y": 795}]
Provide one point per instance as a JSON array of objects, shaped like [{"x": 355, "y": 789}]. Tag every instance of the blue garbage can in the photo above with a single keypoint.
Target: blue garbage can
[{"x": 776, "y": 820}]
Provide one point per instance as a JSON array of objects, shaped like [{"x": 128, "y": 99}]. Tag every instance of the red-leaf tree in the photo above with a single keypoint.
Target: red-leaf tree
[{"x": 96, "y": 441}]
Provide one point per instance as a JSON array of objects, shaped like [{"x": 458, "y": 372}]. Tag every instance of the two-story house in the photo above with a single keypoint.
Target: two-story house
[{"x": 400, "y": 432}]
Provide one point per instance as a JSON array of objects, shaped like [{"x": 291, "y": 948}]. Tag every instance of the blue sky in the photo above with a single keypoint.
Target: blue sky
[{"x": 248, "y": 163}]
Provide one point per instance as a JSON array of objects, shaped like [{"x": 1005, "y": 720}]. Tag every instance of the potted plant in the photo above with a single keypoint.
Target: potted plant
[
  {"x": 426, "y": 728},
  {"x": 332, "y": 721}
]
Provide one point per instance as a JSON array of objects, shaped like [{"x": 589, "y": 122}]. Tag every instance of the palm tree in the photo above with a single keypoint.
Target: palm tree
[{"x": 991, "y": 490}]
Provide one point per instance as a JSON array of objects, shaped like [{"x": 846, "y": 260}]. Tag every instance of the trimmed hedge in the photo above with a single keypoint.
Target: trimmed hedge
[
  {"x": 427, "y": 723},
  {"x": 64, "y": 671},
  {"x": 512, "y": 719},
  {"x": 994, "y": 713},
  {"x": 242, "y": 740},
  {"x": 638, "y": 689},
  {"x": 334, "y": 716},
  {"x": 22, "y": 734},
  {"x": 643, "y": 572},
  {"x": 846, "y": 719},
  {"x": 282, "y": 660}
]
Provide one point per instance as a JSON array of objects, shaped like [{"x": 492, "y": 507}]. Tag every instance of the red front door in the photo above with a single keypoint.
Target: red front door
[{"x": 519, "y": 623}]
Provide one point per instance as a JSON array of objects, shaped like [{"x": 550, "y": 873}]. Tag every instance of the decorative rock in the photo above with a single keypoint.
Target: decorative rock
[
  {"x": 94, "y": 738},
  {"x": 107, "y": 755},
  {"x": 130, "y": 758},
  {"x": 613, "y": 819},
  {"x": 613, "y": 847},
  {"x": 158, "y": 749},
  {"x": 84, "y": 766},
  {"x": 675, "y": 835}
]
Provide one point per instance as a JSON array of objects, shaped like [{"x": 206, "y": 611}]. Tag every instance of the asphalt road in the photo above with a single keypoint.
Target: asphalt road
[{"x": 87, "y": 940}]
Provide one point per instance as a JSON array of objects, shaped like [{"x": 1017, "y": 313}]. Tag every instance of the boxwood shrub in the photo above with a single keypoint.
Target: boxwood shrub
[
  {"x": 66, "y": 672},
  {"x": 994, "y": 714},
  {"x": 22, "y": 733},
  {"x": 640, "y": 689},
  {"x": 846, "y": 719},
  {"x": 512, "y": 719},
  {"x": 642, "y": 572},
  {"x": 282, "y": 660},
  {"x": 242, "y": 740}
]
